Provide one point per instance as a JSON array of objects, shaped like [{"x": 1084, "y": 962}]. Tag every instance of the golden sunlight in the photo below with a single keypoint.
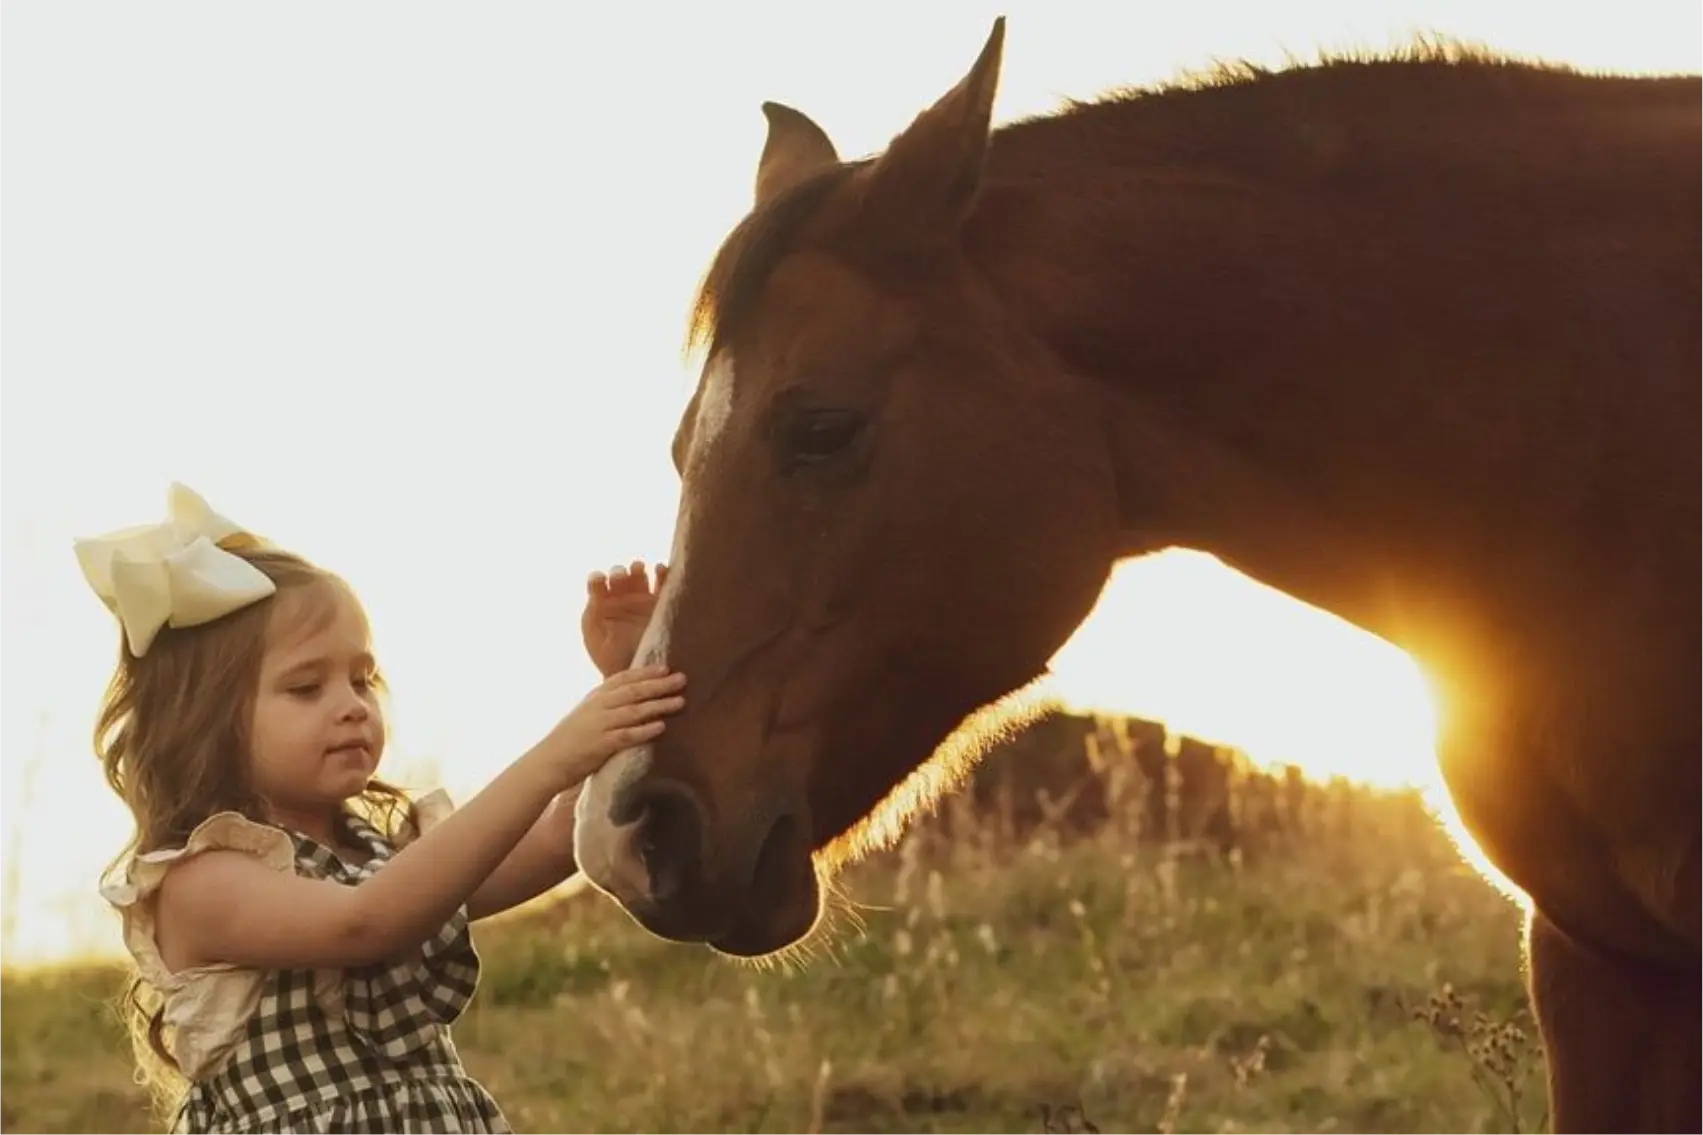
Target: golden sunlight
[{"x": 1181, "y": 638}]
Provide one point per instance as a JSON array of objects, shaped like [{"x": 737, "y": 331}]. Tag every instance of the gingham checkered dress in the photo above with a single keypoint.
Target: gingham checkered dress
[{"x": 386, "y": 1064}]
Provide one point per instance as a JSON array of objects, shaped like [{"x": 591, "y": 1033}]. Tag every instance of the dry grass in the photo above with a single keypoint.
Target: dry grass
[{"x": 1328, "y": 981}]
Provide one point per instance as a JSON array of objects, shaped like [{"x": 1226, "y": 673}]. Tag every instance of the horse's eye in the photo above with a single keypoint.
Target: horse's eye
[{"x": 815, "y": 435}]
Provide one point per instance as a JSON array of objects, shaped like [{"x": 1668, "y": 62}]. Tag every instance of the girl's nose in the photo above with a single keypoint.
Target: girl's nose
[{"x": 355, "y": 706}]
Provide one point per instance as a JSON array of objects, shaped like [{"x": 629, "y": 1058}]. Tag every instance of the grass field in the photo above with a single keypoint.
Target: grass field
[{"x": 1351, "y": 975}]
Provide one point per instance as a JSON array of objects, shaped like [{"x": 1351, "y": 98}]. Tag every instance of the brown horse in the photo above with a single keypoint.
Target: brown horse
[{"x": 1414, "y": 340}]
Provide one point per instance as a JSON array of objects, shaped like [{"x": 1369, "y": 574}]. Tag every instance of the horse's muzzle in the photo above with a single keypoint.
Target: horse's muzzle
[{"x": 648, "y": 843}]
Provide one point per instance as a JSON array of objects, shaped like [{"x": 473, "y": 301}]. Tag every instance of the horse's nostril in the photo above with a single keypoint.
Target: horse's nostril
[{"x": 670, "y": 836}]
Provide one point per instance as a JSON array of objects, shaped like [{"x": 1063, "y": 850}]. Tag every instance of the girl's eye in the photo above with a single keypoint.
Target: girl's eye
[{"x": 305, "y": 691}]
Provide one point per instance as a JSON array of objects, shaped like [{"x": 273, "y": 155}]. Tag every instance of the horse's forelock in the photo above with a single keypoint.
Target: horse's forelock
[{"x": 750, "y": 253}]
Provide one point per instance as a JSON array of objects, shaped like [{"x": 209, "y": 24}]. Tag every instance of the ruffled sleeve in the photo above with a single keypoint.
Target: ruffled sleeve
[
  {"x": 206, "y": 1007},
  {"x": 399, "y": 1007},
  {"x": 431, "y": 809}
]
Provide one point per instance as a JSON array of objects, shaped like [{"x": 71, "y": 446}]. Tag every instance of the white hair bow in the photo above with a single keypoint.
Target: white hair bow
[{"x": 173, "y": 573}]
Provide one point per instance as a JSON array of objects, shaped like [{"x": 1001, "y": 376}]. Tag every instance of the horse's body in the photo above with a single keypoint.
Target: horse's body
[{"x": 1414, "y": 341}]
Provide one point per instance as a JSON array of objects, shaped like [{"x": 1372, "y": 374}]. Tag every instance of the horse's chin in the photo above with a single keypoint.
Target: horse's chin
[
  {"x": 784, "y": 901},
  {"x": 757, "y": 932}
]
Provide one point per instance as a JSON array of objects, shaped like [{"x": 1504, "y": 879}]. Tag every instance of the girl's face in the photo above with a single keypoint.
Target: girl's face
[{"x": 317, "y": 731}]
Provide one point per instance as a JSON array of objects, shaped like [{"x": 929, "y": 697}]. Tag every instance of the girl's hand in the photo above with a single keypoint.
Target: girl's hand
[
  {"x": 626, "y": 710},
  {"x": 618, "y": 607}
]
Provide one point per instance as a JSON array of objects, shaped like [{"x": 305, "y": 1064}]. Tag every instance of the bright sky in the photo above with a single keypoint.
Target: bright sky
[{"x": 403, "y": 288}]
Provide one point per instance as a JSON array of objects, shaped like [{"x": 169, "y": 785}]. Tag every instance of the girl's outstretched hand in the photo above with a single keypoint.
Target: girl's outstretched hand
[
  {"x": 627, "y": 709},
  {"x": 618, "y": 607}
]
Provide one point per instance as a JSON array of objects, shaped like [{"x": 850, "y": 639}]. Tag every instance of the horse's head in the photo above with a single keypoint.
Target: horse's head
[{"x": 889, "y": 519}]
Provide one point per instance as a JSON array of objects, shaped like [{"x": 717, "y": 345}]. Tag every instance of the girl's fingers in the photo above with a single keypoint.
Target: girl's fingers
[
  {"x": 647, "y": 689},
  {"x": 641, "y": 711},
  {"x": 624, "y": 678},
  {"x": 634, "y": 734}
]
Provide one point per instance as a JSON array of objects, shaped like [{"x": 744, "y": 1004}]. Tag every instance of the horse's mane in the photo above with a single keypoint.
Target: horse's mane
[
  {"x": 749, "y": 254},
  {"x": 1422, "y": 48}
]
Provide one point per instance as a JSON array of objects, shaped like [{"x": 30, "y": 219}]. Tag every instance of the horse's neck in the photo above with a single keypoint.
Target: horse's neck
[
  {"x": 1275, "y": 394},
  {"x": 1180, "y": 488},
  {"x": 1395, "y": 327},
  {"x": 1416, "y": 391},
  {"x": 1213, "y": 372}
]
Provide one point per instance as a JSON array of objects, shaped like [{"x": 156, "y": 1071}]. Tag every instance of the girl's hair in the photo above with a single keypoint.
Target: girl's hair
[{"x": 172, "y": 736}]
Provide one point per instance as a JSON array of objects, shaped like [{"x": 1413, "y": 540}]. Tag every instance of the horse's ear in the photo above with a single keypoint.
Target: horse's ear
[
  {"x": 922, "y": 189},
  {"x": 795, "y": 149}
]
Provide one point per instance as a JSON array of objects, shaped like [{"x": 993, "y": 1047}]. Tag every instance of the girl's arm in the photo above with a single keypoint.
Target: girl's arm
[
  {"x": 228, "y": 907},
  {"x": 543, "y": 858}
]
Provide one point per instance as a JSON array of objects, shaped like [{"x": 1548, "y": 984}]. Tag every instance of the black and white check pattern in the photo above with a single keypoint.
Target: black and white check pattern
[{"x": 387, "y": 1063}]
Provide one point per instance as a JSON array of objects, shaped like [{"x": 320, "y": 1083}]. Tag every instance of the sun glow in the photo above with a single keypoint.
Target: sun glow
[{"x": 1181, "y": 638}]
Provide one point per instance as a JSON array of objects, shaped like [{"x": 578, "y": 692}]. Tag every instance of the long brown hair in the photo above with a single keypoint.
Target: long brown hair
[{"x": 172, "y": 736}]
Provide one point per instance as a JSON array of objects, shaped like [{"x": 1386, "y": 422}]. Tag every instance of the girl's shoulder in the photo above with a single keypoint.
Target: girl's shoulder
[
  {"x": 207, "y": 1006},
  {"x": 141, "y": 874}
]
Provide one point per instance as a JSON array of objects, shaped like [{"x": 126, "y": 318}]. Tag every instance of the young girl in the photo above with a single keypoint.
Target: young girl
[{"x": 299, "y": 927}]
